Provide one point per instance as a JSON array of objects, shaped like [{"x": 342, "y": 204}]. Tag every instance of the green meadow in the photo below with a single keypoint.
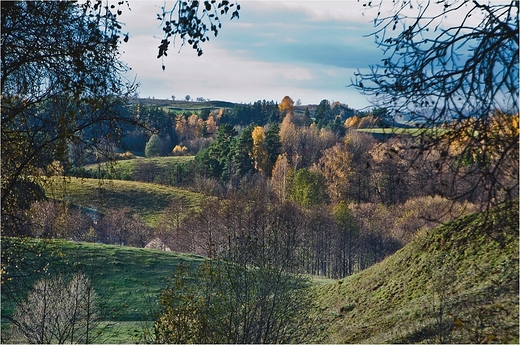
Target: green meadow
[
  {"x": 464, "y": 272},
  {"x": 128, "y": 280},
  {"x": 148, "y": 200},
  {"x": 123, "y": 169}
]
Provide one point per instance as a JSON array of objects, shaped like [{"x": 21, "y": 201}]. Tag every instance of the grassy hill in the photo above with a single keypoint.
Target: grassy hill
[
  {"x": 123, "y": 169},
  {"x": 145, "y": 199},
  {"x": 183, "y": 105},
  {"x": 127, "y": 279},
  {"x": 457, "y": 283}
]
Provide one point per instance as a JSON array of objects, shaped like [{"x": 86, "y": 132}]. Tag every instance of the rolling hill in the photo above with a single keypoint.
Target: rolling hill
[
  {"x": 145, "y": 199},
  {"x": 457, "y": 283},
  {"x": 177, "y": 105},
  {"x": 128, "y": 280}
]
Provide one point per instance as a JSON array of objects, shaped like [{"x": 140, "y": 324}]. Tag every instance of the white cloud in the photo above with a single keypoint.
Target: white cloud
[{"x": 234, "y": 66}]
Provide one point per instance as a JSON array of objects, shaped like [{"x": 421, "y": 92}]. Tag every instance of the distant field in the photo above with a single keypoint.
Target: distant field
[
  {"x": 123, "y": 169},
  {"x": 146, "y": 199},
  {"x": 398, "y": 130},
  {"x": 184, "y": 105}
]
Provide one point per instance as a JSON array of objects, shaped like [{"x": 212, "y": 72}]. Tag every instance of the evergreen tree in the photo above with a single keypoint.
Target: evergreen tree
[
  {"x": 307, "y": 121},
  {"x": 242, "y": 161},
  {"x": 273, "y": 145},
  {"x": 216, "y": 159},
  {"x": 323, "y": 114}
]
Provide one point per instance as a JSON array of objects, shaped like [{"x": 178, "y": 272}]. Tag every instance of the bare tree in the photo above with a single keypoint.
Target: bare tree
[
  {"x": 452, "y": 67},
  {"x": 58, "y": 310},
  {"x": 123, "y": 227}
]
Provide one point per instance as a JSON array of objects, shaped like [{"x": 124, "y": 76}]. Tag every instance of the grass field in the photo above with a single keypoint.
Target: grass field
[
  {"x": 398, "y": 130},
  {"x": 183, "y": 106},
  {"x": 145, "y": 199},
  {"x": 123, "y": 169},
  {"x": 127, "y": 279}
]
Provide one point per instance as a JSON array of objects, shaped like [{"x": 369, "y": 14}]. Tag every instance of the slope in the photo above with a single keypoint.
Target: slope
[
  {"x": 457, "y": 283},
  {"x": 145, "y": 199}
]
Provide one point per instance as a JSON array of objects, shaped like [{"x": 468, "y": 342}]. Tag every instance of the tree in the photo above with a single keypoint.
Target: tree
[
  {"x": 454, "y": 77},
  {"x": 216, "y": 159},
  {"x": 348, "y": 233},
  {"x": 243, "y": 159},
  {"x": 280, "y": 176},
  {"x": 286, "y": 105},
  {"x": 307, "y": 117},
  {"x": 336, "y": 168},
  {"x": 122, "y": 227},
  {"x": 323, "y": 114},
  {"x": 153, "y": 146},
  {"x": 169, "y": 226},
  {"x": 58, "y": 310},
  {"x": 273, "y": 145},
  {"x": 145, "y": 171},
  {"x": 308, "y": 188},
  {"x": 289, "y": 136},
  {"x": 187, "y": 98},
  {"x": 259, "y": 150},
  {"x": 248, "y": 291},
  {"x": 231, "y": 303},
  {"x": 211, "y": 125},
  {"x": 62, "y": 85}
]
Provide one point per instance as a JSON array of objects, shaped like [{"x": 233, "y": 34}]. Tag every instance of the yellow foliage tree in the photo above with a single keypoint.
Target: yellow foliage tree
[
  {"x": 280, "y": 174},
  {"x": 259, "y": 151},
  {"x": 179, "y": 150},
  {"x": 195, "y": 124},
  {"x": 211, "y": 125},
  {"x": 288, "y": 135},
  {"x": 337, "y": 170},
  {"x": 181, "y": 127},
  {"x": 351, "y": 122},
  {"x": 286, "y": 105}
]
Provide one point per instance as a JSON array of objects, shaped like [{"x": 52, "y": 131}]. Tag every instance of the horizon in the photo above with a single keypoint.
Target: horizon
[{"x": 300, "y": 49}]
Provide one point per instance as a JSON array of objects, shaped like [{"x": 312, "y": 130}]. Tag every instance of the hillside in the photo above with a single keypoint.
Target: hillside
[
  {"x": 145, "y": 199},
  {"x": 457, "y": 283},
  {"x": 127, "y": 279},
  {"x": 126, "y": 169},
  {"x": 178, "y": 105}
]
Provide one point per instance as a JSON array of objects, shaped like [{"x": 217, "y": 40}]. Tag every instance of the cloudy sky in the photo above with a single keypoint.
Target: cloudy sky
[{"x": 308, "y": 50}]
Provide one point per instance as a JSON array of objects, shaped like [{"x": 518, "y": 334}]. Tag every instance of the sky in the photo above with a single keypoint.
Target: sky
[{"x": 308, "y": 50}]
